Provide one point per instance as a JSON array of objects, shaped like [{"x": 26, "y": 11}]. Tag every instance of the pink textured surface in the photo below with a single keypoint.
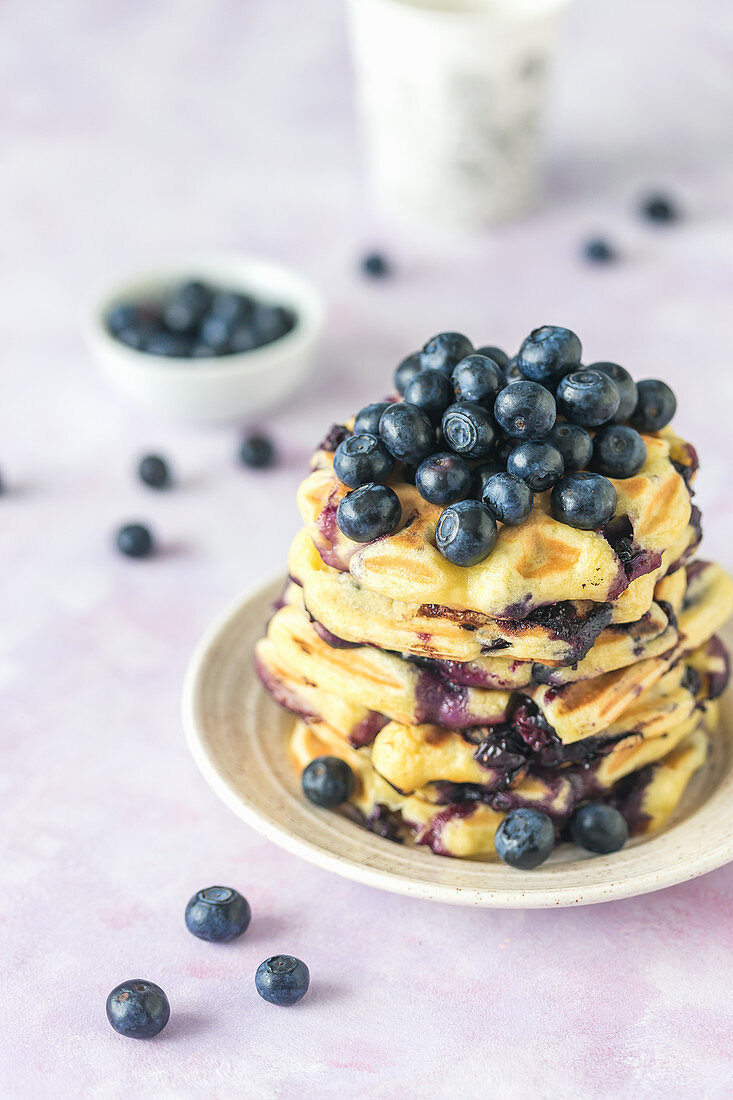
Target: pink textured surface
[{"x": 132, "y": 131}]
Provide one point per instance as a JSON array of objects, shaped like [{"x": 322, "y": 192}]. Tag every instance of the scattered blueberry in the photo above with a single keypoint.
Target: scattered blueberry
[
  {"x": 469, "y": 430},
  {"x": 369, "y": 512},
  {"x": 625, "y": 385},
  {"x": 432, "y": 392},
  {"x": 599, "y": 828},
  {"x": 445, "y": 351},
  {"x": 362, "y": 458},
  {"x": 375, "y": 265},
  {"x": 618, "y": 451},
  {"x": 406, "y": 432},
  {"x": 508, "y": 498},
  {"x": 499, "y": 357},
  {"x": 135, "y": 540},
  {"x": 328, "y": 781},
  {"x": 138, "y": 1009},
  {"x": 548, "y": 352},
  {"x": 257, "y": 451},
  {"x": 466, "y": 533},
  {"x": 659, "y": 208},
  {"x": 598, "y": 251},
  {"x": 574, "y": 444},
  {"x": 656, "y": 406},
  {"x": 525, "y": 410},
  {"x": 587, "y": 397},
  {"x": 525, "y": 839},
  {"x": 539, "y": 464},
  {"x": 444, "y": 478},
  {"x": 583, "y": 500},
  {"x": 282, "y": 980},
  {"x": 367, "y": 419},
  {"x": 153, "y": 470},
  {"x": 218, "y": 914},
  {"x": 406, "y": 371},
  {"x": 477, "y": 380}
]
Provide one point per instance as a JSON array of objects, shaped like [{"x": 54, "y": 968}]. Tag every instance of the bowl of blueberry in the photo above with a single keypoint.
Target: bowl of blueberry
[{"x": 210, "y": 339}]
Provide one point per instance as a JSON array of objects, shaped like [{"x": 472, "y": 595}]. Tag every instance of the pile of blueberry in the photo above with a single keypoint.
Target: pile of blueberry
[
  {"x": 480, "y": 433},
  {"x": 199, "y": 321}
]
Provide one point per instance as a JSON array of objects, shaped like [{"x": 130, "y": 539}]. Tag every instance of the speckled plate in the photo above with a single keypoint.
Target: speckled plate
[{"x": 238, "y": 738}]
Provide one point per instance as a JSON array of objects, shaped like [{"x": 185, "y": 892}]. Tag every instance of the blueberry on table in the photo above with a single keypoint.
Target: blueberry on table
[
  {"x": 508, "y": 497},
  {"x": 362, "y": 458},
  {"x": 218, "y": 914},
  {"x": 432, "y": 392},
  {"x": 469, "y": 430},
  {"x": 186, "y": 306},
  {"x": 375, "y": 265},
  {"x": 625, "y": 385},
  {"x": 587, "y": 397},
  {"x": 598, "y": 251},
  {"x": 367, "y": 419},
  {"x": 153, "y": 470},
  {"x": 525, "y": 410},
  {"x": 574, "y": 444},
  {"x": 135, "y": 540},
  {"x": 548, "y": 352},
  {"x": 171, "y": 345},
  {"x": 406, "y": 371},
  {"x": 369, "y": 512},
  {"x": 282, "y": 980},
  {"x": 599, "y": 828},
  {"x": 525, "y": 839},
  {"x": 138, "y": 1009},
  {"x": 659, "y": 208},
  {"x": 445, "y": 351},
  {"x": 444, "y": 478},
  {"x": 499, "y": 357},
  {"x": 466, "y": 533},
  {"x": 328, "y": 782},
  {"x": 618, "y": 451},
  {"x": 583, "y": 500},
  {"x": 406, "y": 432},
  {"x": 477, "y": 380},
  {"x": 539, "y": 464},
  {"x": 656, "y": 406},
  {"x": 257, "y": 451}
]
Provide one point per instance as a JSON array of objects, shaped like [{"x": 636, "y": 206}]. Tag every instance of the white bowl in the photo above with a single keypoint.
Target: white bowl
[{"x": 226, "y": 387}]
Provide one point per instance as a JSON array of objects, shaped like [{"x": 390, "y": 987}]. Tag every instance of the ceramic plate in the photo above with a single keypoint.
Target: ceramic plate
[{"x": 238, "y": 738}]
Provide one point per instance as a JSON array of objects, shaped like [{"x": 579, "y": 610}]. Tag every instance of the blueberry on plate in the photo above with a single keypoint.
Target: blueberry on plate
[
  {"x": 170, "y": 345},
  {"x": 153, "y": 470},
  {"x": 499, "y": 357},
  {"x": 583, "y": 500},
  {"x": 477, "y": 380},
  {"x": 598, "y": 251},
  {"x": 375, "y": 265},
  {"x": 525, "y": 410},
  {"x": 525, "y": 839},
  {"x": 271, "y": 322},
  {"x": 587, "y": 397},
  {"x": 539, "y": 464},
  {"x": 599, "y": 828},
  {"x": 618, "y": 451},
  {"x": 659, "y": 208},
  {"x": 406, "y": 371},
  {"x": 574, "y": 444},
  {"x": 469, "y": 430},
  {"x": 138, "y": 1009},
  {"x": 445, "y": 350},
  {"x": 367, "y": 419},
  {"x": 362, "y": 458},
  {"x": 625, "y": 385},
  {"x": 282, "y": 980},
  {"x": 548, "y": 352},
  {"x": 444, "y": 478},
  {"x": 186, "y": 306},
  {"x": 257, "y": 451},
  {"x": 135, "y": 540},
  {"x": 509, "y": 498},
  {"x": 218, "y": 914},
  {"x": 466, "y": 533},
  {"x": 406, "y": 432},
  {"x": 328, "y": 781},
  {"x": 369, "y": 512},
  {"x": 432, "y": 392},
  {"x": 656, "y": 406}
]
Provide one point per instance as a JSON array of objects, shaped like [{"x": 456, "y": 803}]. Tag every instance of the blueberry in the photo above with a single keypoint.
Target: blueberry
[
  {"x": 598, "y": 251},
  {"x": 625, "y": 385},
  {"x": 469, "y": 430},
  {"x": 466, "y": 532},
  {"x": 369, "y": 512},
  {"x": 135, "y": 540},
  {"x": 525, "y": 839},
  {"x": 500, "y": 357},
  {"x": 525, "y": 410},
  {"x": 618, "y": 451},
  {"x": 548, "y": 352},
  {"x": 375, "y": 265},
  {"x": 406, "y": 371},
  {"x": 445, "y": 350},
  {"x": 245, "y": 338},
  {"x": 574, "y": 444},
  {"x": 138, "y": 1009},
  {"x": 205, "y": 351},
  {"x": 257, "y": 451},
  {"x": 599, "y": 828},
  {"x": 406, "y": 432},
  {"x": 509, "y": 498},
  {"x": 477, "y": 380},
  {"x": 171, "y": 345},
  {"x": 271, "y": 322},
  {"x": 231, "y": 307},
  {"x": 512, "y": 371},
  {"x": 362, "y": 458},
  {"x": 282, "y": 980},
  {"x": 367, "y": 419},
  {"x": 444, "y": 478},
  {"x": 186, "y": 306},
  {"x": 328, "y": 781},
  {"x": 539, "y": 464},
  {"x": 583, "y": 500},
  {"x": 128, "y": 321},
  {"x": 657, "y": 405},
  {"x": 485, "y": 470},
  {"x": 218, "y": 914},
  {"x": 432, "y": 392},
  {"x": 153, "y": 470},
  {"x": 587, "y": 397},
  {"x": 215, "y": 332},
  {"x": 659, "y": 208}
]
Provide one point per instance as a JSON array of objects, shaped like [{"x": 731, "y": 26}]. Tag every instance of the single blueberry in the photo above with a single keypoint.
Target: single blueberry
[
  {"x": 245, "y": 337},
  {"x": 525, "y": 839},
  {"x": 659, "y": 208},
  {"x": 466, "y": 533},
  {"x": 583, "y": 500},
  {"x": 231, "y": 306},
  {"x": 512, "y": 371},
  {"x": 406, "y": 371},
  {"x": 218, "y": 914},
  {"x": 282, "y": 980},
  {"x": 138, "y": 1009},
  {"x": 618, "y": 451},
  {"x": 271, "y": 322},
  {"x": 153, "y": 470},
  {"x": 375, "y": 265},
  {"x": 587, "y": 397},
  {"x": 328, "y": 781},
  {"x": 598, "y": 251},
  {"x": 216, "y": 332},
  {"x": 469, "y": 430},
  {"x": 656, "y": 407},
  {"x": 599, "y": 828},
  {"x": 548, "y": 352},
  {"x": 406, "y": 432},
  {"x": 499, "y": 357},
  {"x": 539, "y": 464},
  {"x": 625, "y": 385},
  {"x": 445, "y": 350},
  {"x": 477, "y": 380},
  {"x": 444, "y": 478},
  {"x": 257, "y": 451},
  {"x": 185, "y": 307},
  {"x": 431, "y": 391},
  {"x": 369, "y": 512},
  {"x": 362, "y": 458},
  {"x": 481, "y": 474},
  {"x": 508, "y": 498},
  {"x": 525, "y": 410},
  {"x": 135, "y": 540},
  {"x": 171, "y": 345},
  {"x": 574, "y": 444},
  {"x": 367, "y": 419}
]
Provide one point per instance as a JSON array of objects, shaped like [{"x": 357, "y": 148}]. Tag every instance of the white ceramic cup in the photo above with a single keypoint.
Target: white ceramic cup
[{"x": 451, "y": 94}]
